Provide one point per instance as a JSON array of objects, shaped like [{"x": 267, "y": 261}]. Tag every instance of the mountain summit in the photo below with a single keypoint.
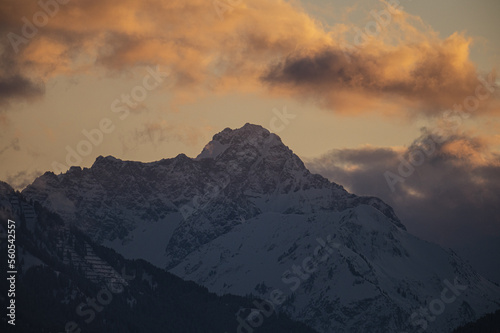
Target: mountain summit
[
  {"x": 249, "y": 165},
  {"x": 250, "y": 135},
  {"x": 246, "y": 217}
]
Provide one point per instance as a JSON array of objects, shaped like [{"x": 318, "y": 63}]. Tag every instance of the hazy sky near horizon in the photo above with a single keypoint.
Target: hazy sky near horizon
[
  {"x": 228, "y": 67},
  {"x": 348, "y": 85}
]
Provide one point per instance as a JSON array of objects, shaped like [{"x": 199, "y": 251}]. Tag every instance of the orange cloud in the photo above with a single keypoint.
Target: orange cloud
[{"x": 262, "y": 41}]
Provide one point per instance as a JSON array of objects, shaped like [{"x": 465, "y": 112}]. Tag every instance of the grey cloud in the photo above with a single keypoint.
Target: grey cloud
[
  {"x": 22, "y": 179},
  {"x": 452, "y": 198},
  {"x": 17, "y": 86}
]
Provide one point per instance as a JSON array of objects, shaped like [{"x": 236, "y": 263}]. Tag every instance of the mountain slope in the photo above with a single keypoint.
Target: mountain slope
[
  {"x": 246, "y": 216},
  {"x": 487, "y": 324},
  {"x": 65, "y": 282}
]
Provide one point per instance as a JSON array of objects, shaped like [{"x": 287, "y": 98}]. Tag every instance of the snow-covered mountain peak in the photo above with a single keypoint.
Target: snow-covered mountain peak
[
  {"x": 249, "y": 132},
  {"x": 244, "y": 212},
  {"x": 247, "y": 137},
  {"x": 105, "y": 161},
  {"x": 258, "y": 160}
]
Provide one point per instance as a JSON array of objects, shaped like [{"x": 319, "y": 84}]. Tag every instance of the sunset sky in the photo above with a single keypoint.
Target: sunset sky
[{"x": 352, "y": 87}]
